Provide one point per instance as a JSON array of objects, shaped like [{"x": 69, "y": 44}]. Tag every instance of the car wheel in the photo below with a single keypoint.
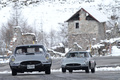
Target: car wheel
[
  {"x": 47, "y": 71},
  {"x": 70, "y": 71},
  {"x": 14, "y": 72},
  {"x": 63, "y": 70},
  {"x": 93, "y": 70},
  {"x": 87, "y": 70}
]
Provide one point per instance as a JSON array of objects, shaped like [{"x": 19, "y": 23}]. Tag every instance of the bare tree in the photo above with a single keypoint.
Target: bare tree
[
  {"x": 16, "y": 19},
  {"x": 63, "y": 34},
  {"x": 6, "y": 33}
]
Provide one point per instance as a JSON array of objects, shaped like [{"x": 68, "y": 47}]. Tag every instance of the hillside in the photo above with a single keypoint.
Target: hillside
[{"x": 47, "y": 14}]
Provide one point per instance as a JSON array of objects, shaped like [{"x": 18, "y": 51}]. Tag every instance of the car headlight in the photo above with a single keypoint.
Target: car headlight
[
  {"x": 12, "y": 59},
  {"x": 47, "y": 56}
]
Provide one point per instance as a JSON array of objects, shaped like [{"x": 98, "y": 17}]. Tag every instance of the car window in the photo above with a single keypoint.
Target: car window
[
  {"x": 89, "y": 54},
  {"x": 77, "y": 54},
  {"x": 81, "y": 55},
  {"x": 74, "y": 54},
  {"x": 24, "y": 50},
  {"x": 38, "y": 50},
  {"x": 19, "y": 51},
  {"x": 84, "y": 54}
]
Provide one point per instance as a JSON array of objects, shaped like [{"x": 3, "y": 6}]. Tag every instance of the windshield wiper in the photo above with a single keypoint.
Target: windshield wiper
[{"x": 30, "y": 53}]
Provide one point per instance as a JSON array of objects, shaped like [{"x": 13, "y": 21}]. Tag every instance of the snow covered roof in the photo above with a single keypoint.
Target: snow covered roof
[
  {"x": 28, "y": 34},
  {"x": 17, "y": 27},
  {"x": 96, "y": 14}
]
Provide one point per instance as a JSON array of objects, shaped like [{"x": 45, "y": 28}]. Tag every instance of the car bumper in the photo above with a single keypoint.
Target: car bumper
[
  {"x": 83, "y": 67},
  {"x": 24, "y": 68}
]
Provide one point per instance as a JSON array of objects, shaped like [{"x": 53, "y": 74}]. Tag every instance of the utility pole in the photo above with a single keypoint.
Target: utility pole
[
  {"x": 16, "y": 7},
  {"x": 16, "y": 13},
  {"x": 42, "y": 31},
  {"x": 51, "y": 37}
]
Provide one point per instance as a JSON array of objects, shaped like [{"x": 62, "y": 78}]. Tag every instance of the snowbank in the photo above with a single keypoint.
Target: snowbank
[
  {"x": 97, "y": 69},
  {"x": 108, "y": 69},
  {"x": 59, "y": 70},
  {"x": 97, "y": 46},
  {"x": 115, "y": 51},
  {"x": 4, "y": 61},
  {"x": 112, "y": 40}
]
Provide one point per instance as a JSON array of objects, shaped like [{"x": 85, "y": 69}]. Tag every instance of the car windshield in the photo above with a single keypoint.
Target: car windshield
[
  {"x": 27, "y": 50},
  {"x": 77, "y": 54}
]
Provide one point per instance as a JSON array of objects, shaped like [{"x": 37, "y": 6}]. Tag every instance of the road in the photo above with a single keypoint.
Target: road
[
  {"x": 110, "y": 61},
  {"x": 76, "y": 75},
  {"x": 67, "y": 76}
]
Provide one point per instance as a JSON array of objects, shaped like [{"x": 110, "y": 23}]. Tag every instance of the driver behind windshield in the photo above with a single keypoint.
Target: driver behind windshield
[
  {"x": 24, "y": 51},
  {"x": 37, "y": 50}
]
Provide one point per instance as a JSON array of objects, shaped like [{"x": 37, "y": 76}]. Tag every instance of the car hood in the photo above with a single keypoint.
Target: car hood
[
  {"x": 36, "y": 57},
  {"x": 74, "y": 60}
]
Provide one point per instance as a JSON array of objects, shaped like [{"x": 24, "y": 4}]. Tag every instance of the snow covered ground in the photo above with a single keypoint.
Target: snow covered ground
[
  {"x": 115, "y": 51},
  {"x": 59, "y": 70},
  {"x": 4, "y": 61},
  {"x": 97, "y": 69}
]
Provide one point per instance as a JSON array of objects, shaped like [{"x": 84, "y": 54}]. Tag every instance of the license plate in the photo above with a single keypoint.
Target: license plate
[{"x": 30, "y": 66}]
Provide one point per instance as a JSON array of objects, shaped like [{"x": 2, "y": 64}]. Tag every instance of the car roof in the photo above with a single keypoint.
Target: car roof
[
  {"x": 78, "y": 51},
  {"x": 29, "y": 45}
]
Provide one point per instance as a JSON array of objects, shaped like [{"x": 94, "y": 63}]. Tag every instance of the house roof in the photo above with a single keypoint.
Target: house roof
[{"x": 97, "y": 15}]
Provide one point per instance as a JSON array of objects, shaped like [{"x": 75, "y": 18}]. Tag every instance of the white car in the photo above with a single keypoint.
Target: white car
[
  {"x": 28, "y": 58},
  {"x": 78, "y": 60}
]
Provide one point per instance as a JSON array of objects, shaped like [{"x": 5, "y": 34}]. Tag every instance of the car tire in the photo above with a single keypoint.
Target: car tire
[
  {"x": 48, "y": 70},
  {"x": 87, "y": 70},
  {"x": 93, "y": 70},
  {"x": 63, "y": 70},
  {"x": 14, "y": 73},
  {"x": 70, "y": 71}
]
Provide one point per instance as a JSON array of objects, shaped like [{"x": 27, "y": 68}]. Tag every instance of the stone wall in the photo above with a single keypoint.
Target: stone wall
[
  {"x": 101, "y": 31},
  {"x": 84, "y": 40},
  {"x": 88, "y": 29},
  {"x": 22, "y": 39},
  {"x": 28, "y": 38}
]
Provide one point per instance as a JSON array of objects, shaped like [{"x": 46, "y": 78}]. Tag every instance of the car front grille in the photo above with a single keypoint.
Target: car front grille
[
  {"x": 73, "y": 64},
  {"x": 30, "y": 62}
]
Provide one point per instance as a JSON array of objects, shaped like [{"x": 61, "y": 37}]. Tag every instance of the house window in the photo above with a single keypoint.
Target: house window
[{"x": 77, "y": 25}]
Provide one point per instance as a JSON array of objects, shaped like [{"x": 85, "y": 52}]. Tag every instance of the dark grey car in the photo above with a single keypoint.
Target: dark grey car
[
  {"x": 28, "y": 58},
  {"x": 78, "y": 60}
]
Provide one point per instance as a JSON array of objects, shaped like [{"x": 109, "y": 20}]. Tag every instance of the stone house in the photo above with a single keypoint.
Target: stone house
[
  {"x": 86, "y": 27},
  {"x": 20, "y": 38}
]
